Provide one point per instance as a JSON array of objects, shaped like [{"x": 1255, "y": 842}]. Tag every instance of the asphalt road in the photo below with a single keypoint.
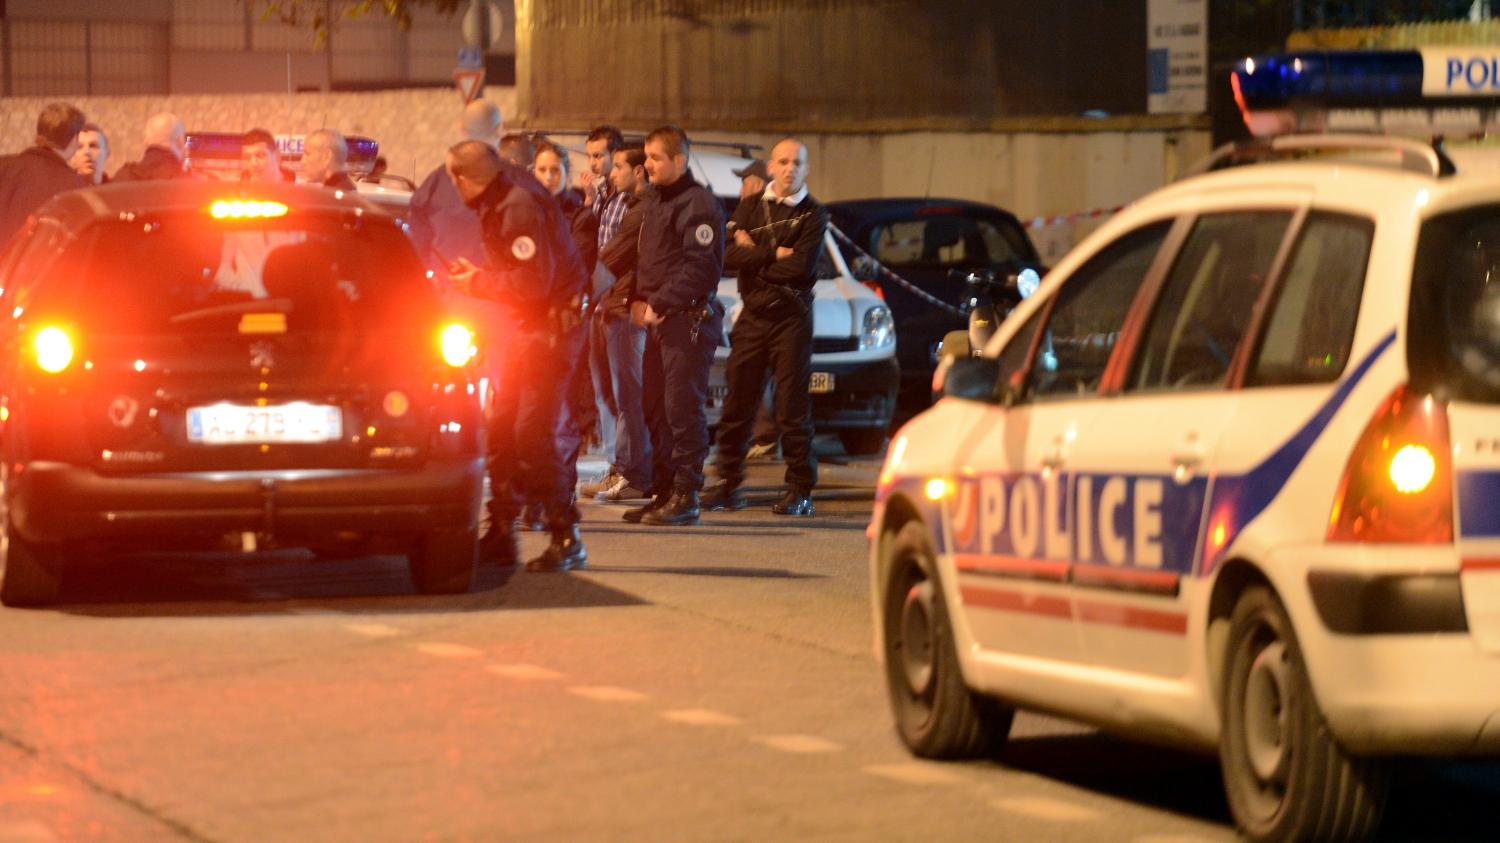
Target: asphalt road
[{"x": 711, "y": 683}]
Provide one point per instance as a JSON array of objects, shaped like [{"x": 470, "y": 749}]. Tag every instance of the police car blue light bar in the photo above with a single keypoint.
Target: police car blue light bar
[{"x": 1432, "y": 90}]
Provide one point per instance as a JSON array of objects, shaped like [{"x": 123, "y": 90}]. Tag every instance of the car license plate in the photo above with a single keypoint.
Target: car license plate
[
  {"x": 233, "y": 424},
  {"x": 820, "y": 382}
]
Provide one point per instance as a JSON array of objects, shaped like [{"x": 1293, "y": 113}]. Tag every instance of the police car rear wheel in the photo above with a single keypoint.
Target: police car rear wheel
[
  {"x": 30, "y": 575},
  {"x": 1285, "y": 777},
  {"x": 443, "y": 561},
  {"x": 936, "y": 715}
]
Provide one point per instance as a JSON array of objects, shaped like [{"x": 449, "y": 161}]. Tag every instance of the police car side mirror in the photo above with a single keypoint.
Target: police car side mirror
[{"x": 973, "y": 379}]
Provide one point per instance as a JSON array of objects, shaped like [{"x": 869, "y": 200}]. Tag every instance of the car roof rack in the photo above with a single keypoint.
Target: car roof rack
[{"x": 1416, "y": 156}]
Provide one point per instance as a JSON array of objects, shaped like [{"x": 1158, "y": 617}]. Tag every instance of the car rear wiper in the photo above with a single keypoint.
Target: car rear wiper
[{"x": 279, "y": 305}]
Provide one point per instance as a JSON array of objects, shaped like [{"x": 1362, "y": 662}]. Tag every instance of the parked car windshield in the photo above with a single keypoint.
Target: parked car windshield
[{"x": 945, "y": 240}]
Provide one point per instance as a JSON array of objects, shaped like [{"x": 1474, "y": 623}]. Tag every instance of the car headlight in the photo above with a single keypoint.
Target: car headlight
[{"x": 879, "y": 330}]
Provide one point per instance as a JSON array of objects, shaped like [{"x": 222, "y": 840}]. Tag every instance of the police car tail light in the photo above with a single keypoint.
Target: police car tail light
[
  {"x": 457, "y": 343},
  {"x": 1398, "y": 484},
  {"x": 54, "y": 349}
]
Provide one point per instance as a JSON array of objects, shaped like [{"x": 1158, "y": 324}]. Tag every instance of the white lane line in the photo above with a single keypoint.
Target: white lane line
[
  {"x": 606, "y": 693},
  {"x": 372, "y": 630},
  {"x": 914, "y": 773},
  {"x": 1046, "y": 809},
  {"x": 444, "y": 650},
  {"x": 524, "y": 672},
  {"x": 797, "y": 744},
  {"x": 26, "y": 831},
  {"x": 700, "y": 717}
]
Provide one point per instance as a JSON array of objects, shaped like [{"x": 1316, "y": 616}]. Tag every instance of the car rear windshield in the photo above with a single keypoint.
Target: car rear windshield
[
  {"x": 190, "y": 274},
  {"x": 1454, "y": 318}
]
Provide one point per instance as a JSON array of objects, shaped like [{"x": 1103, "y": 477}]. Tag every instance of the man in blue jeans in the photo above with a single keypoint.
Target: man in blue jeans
[{"x": 625, "y": 341}]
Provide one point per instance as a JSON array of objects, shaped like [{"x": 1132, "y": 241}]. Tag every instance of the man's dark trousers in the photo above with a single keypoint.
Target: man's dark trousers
[
  {"x": 782, "y": 344},
  {"x": 675, "y": 387},
  {"x": 529, "y": 459}
]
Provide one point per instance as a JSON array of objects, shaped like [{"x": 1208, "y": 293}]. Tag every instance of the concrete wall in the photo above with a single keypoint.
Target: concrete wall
[
  {"x": 1032, "y": 168},
  {"x": 827, "y": 64}
]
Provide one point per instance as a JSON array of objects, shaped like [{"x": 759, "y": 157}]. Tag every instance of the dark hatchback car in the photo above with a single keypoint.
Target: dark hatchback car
[
  {"x": 188, "y": 366},
  {"x": 932, "y": 243}
]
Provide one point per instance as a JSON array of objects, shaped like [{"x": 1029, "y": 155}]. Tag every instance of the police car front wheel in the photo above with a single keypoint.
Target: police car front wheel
[
  {"x": 936, "y": 715},
  {"x": 1285, "y": 776}
]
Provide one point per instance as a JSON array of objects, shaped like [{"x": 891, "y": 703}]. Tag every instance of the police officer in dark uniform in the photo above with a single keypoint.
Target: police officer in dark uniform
[
  {"x": 535, "y": 275},
  {"x": 678, "y": 266},
  {"x": 778, "y": 236}
]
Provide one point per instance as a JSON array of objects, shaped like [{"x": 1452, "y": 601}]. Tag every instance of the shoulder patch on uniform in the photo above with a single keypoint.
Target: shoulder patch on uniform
[
  {"x": 704, "y": 234},
  {"x": 523, "y": 247}
]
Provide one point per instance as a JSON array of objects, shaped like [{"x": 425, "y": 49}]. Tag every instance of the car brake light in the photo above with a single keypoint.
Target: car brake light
[
  {"x": 245, "y": 209},
  {"x": 1398, "y": 483},
  {"x": 458, "y": 344},
  {"x": 54, "y": 350},
  {"x": 875, "y": 288}
]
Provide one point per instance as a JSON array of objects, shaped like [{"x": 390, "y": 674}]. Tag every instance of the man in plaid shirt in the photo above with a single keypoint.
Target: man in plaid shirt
[{"x": 611, "y": 347}]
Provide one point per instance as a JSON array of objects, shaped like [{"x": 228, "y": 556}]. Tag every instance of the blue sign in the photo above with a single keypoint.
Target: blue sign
[{"x": 471, "y": 58}]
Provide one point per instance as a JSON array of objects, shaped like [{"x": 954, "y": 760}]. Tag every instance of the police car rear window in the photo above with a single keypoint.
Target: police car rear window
[
  {"x": 187, "y": 274},
  {"x": 1454, "y": 319}
]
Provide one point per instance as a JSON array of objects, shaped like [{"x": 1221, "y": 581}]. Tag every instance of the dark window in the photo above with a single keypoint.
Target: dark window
[
  {"x": 945, "y": 240},
  {"x": 1088, "y": 313},
  {"x": 1013, "y": 357},
  {"x": 183, "y": 274},
  {"x": 1311, "y": 328},
  {"x": 1205, "y": 304},
  {"x": 1453, "y": 327}
]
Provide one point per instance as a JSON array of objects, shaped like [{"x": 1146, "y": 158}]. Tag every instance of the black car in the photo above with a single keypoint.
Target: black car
[
  {"x": 190, "y": 365},
  {"x": 932, "y": 243}
]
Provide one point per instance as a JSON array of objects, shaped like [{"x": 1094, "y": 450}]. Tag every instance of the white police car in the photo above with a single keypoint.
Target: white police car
[{"x": 1230, "y": 480}]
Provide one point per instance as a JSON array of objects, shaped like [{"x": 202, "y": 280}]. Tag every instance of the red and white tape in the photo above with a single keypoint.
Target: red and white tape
[{"x": 1093, "y": 213}]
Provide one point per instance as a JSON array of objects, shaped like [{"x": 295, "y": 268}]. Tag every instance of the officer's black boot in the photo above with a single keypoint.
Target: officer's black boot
[
  {"x": 796, "y": 500},
  {"x": 565, "y": 553},
  {"x": 531, "y": 518},
  {"x": 636, "y": 513},
  {"x": 498, "y": 544},
  {"x": 681, "y": 510},
  {"x": 723, "y": 495}
]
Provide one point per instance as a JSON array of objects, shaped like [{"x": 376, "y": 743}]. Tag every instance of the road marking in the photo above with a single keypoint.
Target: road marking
[
  {"x": 797, "y": 744},
  {"x": 372, "y": 630},
  {"x": 526, "y": 672},
  {"x": 913, "y": 773},
  {"x": 445, "y": 650},
  {"x": 606, "y": 693},
  {"x": 26, "y": 831},
  {"x": 700, "y": 717},
  {"x": 1047, "y": 809}
]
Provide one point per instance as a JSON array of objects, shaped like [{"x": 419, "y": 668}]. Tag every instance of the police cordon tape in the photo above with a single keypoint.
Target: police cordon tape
[
  {"x": 891, "y": 276},
  {"x": 1092, "y": 213}
]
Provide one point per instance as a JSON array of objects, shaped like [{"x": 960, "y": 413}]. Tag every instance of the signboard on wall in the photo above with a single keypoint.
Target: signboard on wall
[{"x": 1176, "y": 56}]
